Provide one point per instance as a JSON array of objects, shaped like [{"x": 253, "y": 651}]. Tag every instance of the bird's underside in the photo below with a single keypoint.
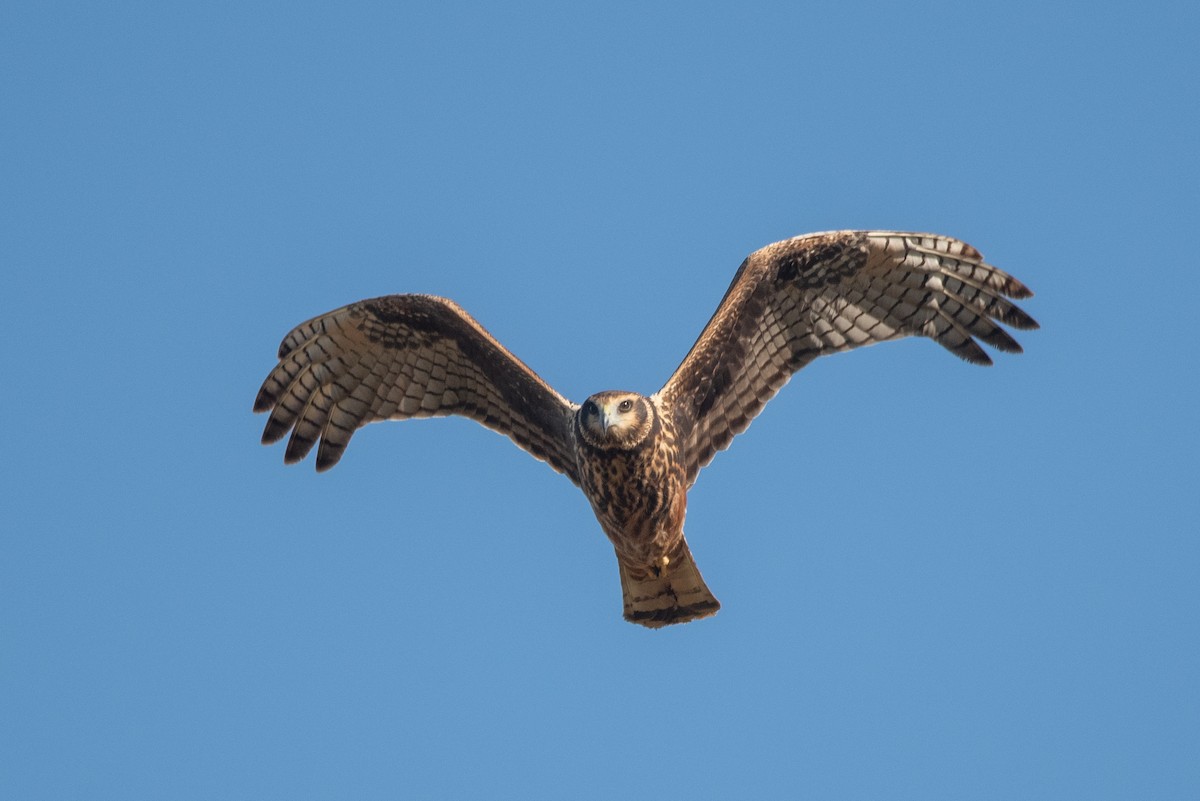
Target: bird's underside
[{"x": 635, "y": 456}]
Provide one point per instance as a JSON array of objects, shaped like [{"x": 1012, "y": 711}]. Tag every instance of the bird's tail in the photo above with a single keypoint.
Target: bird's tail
[{"x": 675, "y": 593}]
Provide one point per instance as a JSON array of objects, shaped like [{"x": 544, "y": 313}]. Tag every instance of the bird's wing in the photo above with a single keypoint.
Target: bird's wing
[
  {"x": 795, "y": 300},
  {"x": 404, "y": 356}
]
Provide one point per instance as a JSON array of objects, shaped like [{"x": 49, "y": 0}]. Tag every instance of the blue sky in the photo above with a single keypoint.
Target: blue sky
[{"x": 939, "y": 581}]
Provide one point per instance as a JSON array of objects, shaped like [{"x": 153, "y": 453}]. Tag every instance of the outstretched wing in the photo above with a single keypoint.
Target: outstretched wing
[
  {"x": 405, "y": 356},
  {"x": 822, "y": 293}
]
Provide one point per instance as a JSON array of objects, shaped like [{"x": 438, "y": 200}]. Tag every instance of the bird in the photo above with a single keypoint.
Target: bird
[{"x": 636, "y": 456}]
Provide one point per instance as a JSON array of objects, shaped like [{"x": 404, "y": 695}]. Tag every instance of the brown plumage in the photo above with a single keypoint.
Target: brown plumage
[{"x": 634, "y": 456}]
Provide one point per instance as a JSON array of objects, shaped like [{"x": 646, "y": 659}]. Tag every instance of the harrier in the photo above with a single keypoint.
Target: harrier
[{"x": 635, "y": 456}]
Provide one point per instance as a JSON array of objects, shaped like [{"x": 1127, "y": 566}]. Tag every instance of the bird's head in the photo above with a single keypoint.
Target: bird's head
[{"x": 616, "y": 419}]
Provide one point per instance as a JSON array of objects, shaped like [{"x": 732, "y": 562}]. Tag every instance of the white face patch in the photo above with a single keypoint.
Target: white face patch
[
  {"x": 616, "y": 419},
  {"x": 618, "y": 416}
]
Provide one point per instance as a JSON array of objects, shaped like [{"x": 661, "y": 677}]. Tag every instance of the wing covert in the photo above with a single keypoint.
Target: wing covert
[
  {"x": 406, "y": 356},
  {"x": 813, "y": 295}
]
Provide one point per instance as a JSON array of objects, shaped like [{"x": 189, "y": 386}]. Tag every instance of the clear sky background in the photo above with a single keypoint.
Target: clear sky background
[{"x": 939, "y": 581}]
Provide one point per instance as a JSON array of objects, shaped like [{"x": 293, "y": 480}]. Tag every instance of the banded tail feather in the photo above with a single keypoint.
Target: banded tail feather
[{"x": 676, "y": 595}]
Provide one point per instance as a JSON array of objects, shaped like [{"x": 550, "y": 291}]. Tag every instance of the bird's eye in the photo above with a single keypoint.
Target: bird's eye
[
  {"x": 625, "y": 405},
  {"x": 589, "y": 408}
]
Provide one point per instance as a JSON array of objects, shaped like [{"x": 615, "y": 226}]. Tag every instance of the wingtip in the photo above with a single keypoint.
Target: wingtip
[
  {"x": 326, "y": 463},
  {"x": 1017, "y": 290},
  {"x": 273, "y": 431}
]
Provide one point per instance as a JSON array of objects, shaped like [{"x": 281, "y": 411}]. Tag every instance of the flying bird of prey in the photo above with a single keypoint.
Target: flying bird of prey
[{"x": 635, "y": 456}]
